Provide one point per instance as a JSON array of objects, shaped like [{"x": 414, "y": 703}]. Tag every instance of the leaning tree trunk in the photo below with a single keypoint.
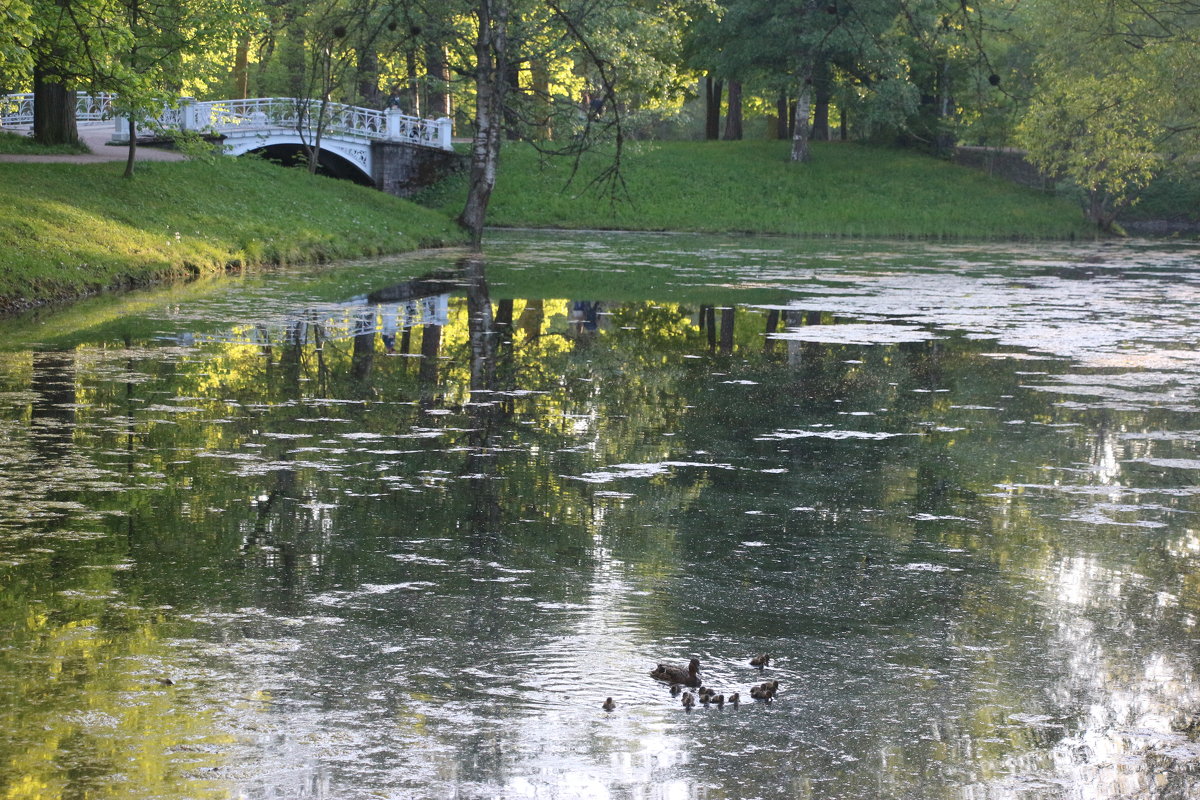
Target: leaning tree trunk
[
  {"x": 800, "y": 136},
  {"x": 53, "y": 111},
  {"x": 491, "y": 55}
]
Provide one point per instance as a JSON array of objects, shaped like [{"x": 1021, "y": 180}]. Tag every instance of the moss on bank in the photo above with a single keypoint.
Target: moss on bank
[
  {"x": 721, "y": 187},
  {"x": 67, "y": 230}
]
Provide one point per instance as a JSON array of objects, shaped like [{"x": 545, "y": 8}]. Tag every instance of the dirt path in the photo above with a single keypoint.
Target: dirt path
[{"x": 96, "y": 138}]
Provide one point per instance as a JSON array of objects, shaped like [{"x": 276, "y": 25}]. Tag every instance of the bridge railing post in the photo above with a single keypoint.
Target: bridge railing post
[
  {"x": 444, "y": 129},
  {"x": 187, "y": 114},
  {"x": 120, "y": 128},
  {"x": 395, "y": 123}
]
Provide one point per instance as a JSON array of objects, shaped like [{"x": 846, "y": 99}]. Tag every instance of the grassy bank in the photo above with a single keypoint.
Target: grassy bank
[
  {"x": 847, "y": 190},
  {"x": 70, "y": 229}
]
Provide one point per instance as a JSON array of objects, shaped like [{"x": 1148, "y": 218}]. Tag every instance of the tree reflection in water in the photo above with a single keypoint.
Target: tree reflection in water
[{"x": 962, "y": 530}]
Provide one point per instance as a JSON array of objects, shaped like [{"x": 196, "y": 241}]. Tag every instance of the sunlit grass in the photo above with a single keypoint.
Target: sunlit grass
[
  {"x": 847, "y": 190},
  {"x": 70, "y": 229}
]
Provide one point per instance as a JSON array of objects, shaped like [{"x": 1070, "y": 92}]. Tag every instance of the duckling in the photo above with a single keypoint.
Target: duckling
[
  {"x": 670, "y": 673},
  {"x": 719, "y": 701},
  {"x": 734, "y": 699},
  {"x": 705, "y": 698},
  {"x": 765, "y": 690},
  {"x": 761, "y": 661},
  {"x": 689, "y": 700},
  {"x": 609, "y": 705},
  {"x": 676, "y": 688}
]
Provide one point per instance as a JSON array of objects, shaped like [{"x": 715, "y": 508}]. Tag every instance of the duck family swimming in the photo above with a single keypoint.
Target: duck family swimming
[
  {"x": 671, "y": 673},
  {"x": 680, "y": 678}
]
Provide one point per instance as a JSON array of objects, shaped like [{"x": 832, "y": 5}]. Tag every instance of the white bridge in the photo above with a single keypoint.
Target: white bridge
[{"x": 262, "y": 123}]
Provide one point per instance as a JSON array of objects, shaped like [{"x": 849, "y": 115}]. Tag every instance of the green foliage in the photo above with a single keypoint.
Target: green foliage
[
  {"x": 68, "y": 229},
  {"x": 16, "y": 20},
  {"x": 1115, "y": 96},
  {"x": 848, "y": 190}
]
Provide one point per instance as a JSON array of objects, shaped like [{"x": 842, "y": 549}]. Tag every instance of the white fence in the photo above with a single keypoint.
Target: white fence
[
  {"x": 252, "y": 116},
  {"x": 16, "y": 110}
]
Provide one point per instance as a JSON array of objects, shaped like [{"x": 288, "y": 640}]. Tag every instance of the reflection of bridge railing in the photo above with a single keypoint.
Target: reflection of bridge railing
[
  {"x": 253, "y": 116},
  {"x": 16, "y": 110},
  {"x": 337, "y": 323}
]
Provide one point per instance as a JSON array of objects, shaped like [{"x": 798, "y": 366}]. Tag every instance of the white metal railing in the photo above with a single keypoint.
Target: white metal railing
[
  {"x": 252, "y": 115},
  {"x": 16, "y": 110},
  {"x": 261, "y": 114}
]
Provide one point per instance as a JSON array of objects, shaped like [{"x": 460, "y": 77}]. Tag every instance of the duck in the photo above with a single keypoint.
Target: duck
[
  {"x": 735, "y": 699},
  {"x": 670, "y": 673},
  {"x": 689, "y": 700},
  {"x": 761, "y": 661},
  {"x": 609, "y": 705},
  {"x": 719, "y": 701}
]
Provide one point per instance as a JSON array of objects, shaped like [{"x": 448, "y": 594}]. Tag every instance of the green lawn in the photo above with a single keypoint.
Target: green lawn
[
  {"x": 70, "y": 229},
  {"x": 847, "y": 190},
  {"x": 19, "y": 144}
]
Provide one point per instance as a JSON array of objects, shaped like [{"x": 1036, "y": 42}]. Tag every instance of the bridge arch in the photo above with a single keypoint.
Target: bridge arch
[
  {"x": 339, "y": 158},
  {"x": 291, "y": 154}
]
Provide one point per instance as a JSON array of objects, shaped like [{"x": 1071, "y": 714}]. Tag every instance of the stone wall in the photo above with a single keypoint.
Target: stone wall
[
  {"x": 1008, "y": 163},
  {"x": 403, "y": 170}
]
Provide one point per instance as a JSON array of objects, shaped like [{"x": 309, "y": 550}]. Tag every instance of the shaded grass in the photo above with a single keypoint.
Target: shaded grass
[
  {"x": 848, "y": 190},
  {"x": 17, "y": 144},
  {"x": 71, "y": 229}
]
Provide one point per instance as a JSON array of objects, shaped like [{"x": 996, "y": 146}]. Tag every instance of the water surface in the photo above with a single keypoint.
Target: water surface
[{"x": 347, "y": 534}]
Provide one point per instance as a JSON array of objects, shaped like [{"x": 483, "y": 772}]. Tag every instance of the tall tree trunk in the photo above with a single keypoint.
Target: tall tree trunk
[
  {"x": 491, "y": 52},
  {"x": 512, "y": 88},
  {"x": 367, "y": 66},
  {"x": 712, "y": 107},
  {"x": 540, "y": 72},
  {"x": 414, "y": 86},
  {"x": 821, "y": 97},
  {"x": 800, "y": 135},
  {"x": 241, "y": 67},
  {"x": 439, "y": 81},
  {"x": 783, "y": 109},
  {"x": 53, "y": 111},
  {"x": 733, "y": 116},
  {"x": 129, "y": 160}
]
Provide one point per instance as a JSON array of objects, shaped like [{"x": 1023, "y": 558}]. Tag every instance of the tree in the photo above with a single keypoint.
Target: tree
[
  {"x": 491, "y": 63},
  {"x": 147, "y": 74},
  {"x": 74, "y": 47},
  {"x": 1115, "y": 99}
]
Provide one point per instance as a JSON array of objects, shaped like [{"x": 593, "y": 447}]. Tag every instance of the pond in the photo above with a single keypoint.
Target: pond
[{"x": 397, "y": 529}]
